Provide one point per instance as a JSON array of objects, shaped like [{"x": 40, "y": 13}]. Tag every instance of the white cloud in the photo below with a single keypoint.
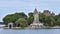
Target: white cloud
[
  {"x": 12, "y": 6},
  {"x": 20, "y": 4}
]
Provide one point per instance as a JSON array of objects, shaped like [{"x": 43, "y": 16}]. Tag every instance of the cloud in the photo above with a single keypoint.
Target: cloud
[
  {"x": 27, "y": 3},
  {"x": 12, "y": 6},
  {"x": 20, "y": 4}
]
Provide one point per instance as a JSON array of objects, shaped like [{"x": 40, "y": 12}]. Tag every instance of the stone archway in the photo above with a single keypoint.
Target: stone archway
[{"x": 10, "y": 25}]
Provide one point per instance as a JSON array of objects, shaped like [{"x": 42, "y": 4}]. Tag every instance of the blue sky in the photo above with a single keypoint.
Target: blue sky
[{"x": 12, "y": 6}]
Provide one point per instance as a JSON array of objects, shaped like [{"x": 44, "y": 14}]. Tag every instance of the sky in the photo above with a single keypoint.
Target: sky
[{"x": 26, "y": 6}]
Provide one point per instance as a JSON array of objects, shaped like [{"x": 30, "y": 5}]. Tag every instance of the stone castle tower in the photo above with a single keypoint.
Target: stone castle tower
[
  {"x": 36, "y": 16},
  {"x": 36, "y": 23}
]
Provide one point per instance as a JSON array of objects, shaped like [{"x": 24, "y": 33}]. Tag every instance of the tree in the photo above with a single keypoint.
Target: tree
[
  {"x": 41, "y": 17},
  {"x": 14, "y": 17},
  {"x": 30, "y": 18},
  {"x": 21, "y": 22},
  {"x": 50, "y": 21},
  {"x": 7, "y": 19},
  {"x": 30, "y": 14},
  {"x": 57, "y": 19}
]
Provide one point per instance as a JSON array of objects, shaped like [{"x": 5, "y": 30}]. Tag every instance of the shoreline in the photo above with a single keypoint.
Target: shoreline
[{"x": 29, "y": 28}]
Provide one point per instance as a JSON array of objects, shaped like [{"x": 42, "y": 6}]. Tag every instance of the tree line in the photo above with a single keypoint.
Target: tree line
[{"x": 22, "y": 20}]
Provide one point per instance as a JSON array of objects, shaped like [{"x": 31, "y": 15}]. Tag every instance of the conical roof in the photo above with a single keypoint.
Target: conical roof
[{"x": 35, "y": 11}]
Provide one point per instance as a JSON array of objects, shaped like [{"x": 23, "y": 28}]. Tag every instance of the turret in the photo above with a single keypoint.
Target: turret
[{"x": 35, "y": 11}]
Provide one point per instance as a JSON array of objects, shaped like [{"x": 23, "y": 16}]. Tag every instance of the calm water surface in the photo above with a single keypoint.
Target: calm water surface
[{"x": 29, "y": 31}]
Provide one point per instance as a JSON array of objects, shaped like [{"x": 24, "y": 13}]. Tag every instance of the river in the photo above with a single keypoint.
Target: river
[{"x": 29, "y": 31}]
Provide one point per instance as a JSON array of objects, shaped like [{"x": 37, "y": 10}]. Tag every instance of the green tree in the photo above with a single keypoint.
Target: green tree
[
  {"x": 50, "y": 21},
  {"x": 57, "y": 19},
  {"x": 41, "y": 17},
  {"x": 30, "y": 18},
  {"x": 7, "y": 19},
  {"x": 30, "y": 14},
  {"x": 14, "y": 17},
  {"x": 21, "y": 22}
]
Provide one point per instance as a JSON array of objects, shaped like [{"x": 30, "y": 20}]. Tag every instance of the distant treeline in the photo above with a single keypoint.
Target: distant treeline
[
  {"x": 1, "y": 23},
  {"x": 22, "y": 20}
]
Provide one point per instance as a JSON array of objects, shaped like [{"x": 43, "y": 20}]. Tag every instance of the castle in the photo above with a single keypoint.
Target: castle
[
  {"x": 47, "y": 13},
  {"x": 36, "y": 23}
]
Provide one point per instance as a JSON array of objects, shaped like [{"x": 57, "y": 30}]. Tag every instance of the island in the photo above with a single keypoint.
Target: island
[{"x": 34, "y": 20}]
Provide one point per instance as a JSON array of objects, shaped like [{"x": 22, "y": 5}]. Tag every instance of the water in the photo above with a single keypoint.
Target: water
[{"x": 29, "y": 31}]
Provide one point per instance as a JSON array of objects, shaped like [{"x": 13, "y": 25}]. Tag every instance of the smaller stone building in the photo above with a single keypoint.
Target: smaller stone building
[
  {"x": 48, "y": 13},
  {"x": 10, "y": 25}
]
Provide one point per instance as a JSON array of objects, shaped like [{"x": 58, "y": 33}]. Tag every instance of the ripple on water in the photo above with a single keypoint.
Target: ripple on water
[{"x": 29, "y": 31}]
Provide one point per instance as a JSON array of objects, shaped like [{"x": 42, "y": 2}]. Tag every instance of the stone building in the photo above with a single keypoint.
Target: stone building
[
  {"x": 10, "y": 25},
  {"x": 36, "y": 23},
  {"x": 46, "y": 12}
]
